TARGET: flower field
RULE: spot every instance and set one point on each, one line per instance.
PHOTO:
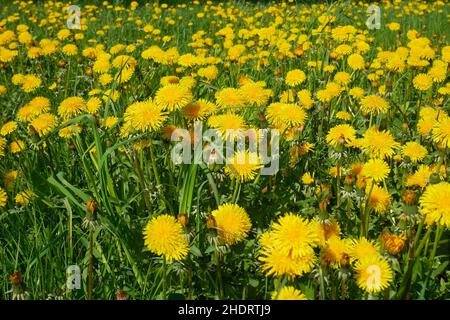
(111, 186)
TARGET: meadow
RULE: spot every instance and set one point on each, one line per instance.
(94, 102)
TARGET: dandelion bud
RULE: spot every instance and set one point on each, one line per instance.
(408, 196)
(183, 219)
(394, 244)
(91, 206)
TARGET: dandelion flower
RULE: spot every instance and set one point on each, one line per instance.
(288, 293)
(230, 98)
(198, 110)
(44, 123)
(374, 104)
(422, 82)
(173, 97)
(144, 116)
(379, 198)
(228, 125)
(394, 244)
(362, 248)
(434, 204)
(8, 128)
(244, 165)
(376, 169)
(373, 274)
(71, 107)
(341, 134)
(163, 235)
(295, 77)
(414, 151)
(286, 115)
(378, 144)
(232, 222)
(336, 253)
(3, 198)
(441, 132)
(24, 198)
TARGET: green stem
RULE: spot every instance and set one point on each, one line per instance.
(235, 192)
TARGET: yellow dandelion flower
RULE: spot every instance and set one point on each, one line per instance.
(336, 252)
(422, 82)
(441, 131)
(342, 134)
(378, 144)
(230, 98)
(44, 123)
(373, 274)
(325, 230)
(286, 115)
(362, 248)
(71, 107)
(376, 169)
(232, 223)
(3, 198)
(144, 116)
(8, 128)
(198, 110)
(244, 165)
(24, 198)
(379, 198)
(228, 125)
(434, 204)
(173, 97)
(163, 235)
(414, 151)
(420, 177)
(288, 293)
(295, 77)
(374, 104)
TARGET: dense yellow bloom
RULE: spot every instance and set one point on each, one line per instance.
(163, 235)
(232, 223)
(43, 124)
(285, 115)
(373, 274)
(441, 131)
(173, 97)
(71, 107)
(379, 198)
(228, 125)
(24, 198)
(414, 151)
(8, 128)
(288, 293)
(144, 116)
(198, 110)
(325, 230)
(362, 248)
(3, 198)
(434, 204)
(379, 144)
(422, 82)
(376, 169)
(230, 98)
(244, 165)
(420, 177)
(342, 134)
(374, 104)
(295, 77)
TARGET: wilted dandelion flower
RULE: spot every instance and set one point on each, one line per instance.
(414, 151)
(434, 204)
(376, 169)
(71, 107)
(342, 134)
(163, 235)
(244, 165)
(394, 244)
(173, 97)
(10, 178)
(232, 222)
(288, 293)
(374, 104)
(144, 116)
(373, 274)
(325, 230)
(3, 198)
